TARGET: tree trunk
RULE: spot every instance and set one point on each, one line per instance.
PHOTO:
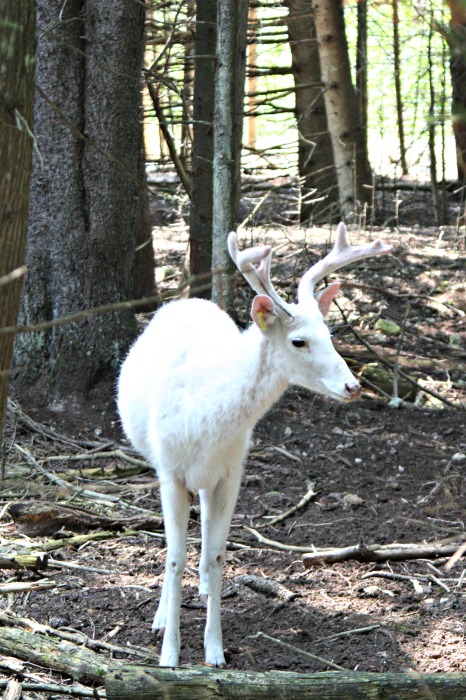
(228, 126)
(361, 68)
(200, 224)
(17, 44)
(85, 199)
(319, 190)
(399, 100)
(457, 43)
(144, 265)
(350, 156)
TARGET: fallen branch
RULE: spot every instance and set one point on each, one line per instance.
(45, 518)
(377, 552)
(278, 545)
(79, 691)
(79, 540)
(308, 496)
(22, 586)
(73, 636)
(268, 587)
(456, 556)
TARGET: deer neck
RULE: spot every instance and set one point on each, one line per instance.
(266, 381)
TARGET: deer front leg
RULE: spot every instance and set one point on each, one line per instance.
(175, 505)
(217, 507)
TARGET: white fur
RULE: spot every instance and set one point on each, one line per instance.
(190, 392)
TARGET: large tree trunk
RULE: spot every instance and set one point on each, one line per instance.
(350, 156)
(85, 196)
(200, 224)
(457, 44)
(17, 44)
(319, 190)
(228, 128)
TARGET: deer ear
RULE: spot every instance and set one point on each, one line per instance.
(326, 296)
(263, 312)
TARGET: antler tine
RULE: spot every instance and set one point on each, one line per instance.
(258, 277)
(342, 254)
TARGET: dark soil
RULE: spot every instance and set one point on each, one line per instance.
(381, 475)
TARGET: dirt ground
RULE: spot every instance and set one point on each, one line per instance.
(381, 474)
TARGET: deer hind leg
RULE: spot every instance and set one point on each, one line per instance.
(175, 505)
(217, 507)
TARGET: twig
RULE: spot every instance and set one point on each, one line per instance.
(55, 563)
(348, 633)
(297, 650)
(308, 496)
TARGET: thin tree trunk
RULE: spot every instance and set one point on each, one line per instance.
(200, 223)
(399, 100)
(252, 78)
(361, 68)
(432, 152)
(17, 60)
(228, 121)
(319, 189)
(350, 156)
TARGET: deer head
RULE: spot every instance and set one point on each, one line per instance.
(297, 333)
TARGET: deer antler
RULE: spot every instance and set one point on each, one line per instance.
(258, 277)
(342, 254)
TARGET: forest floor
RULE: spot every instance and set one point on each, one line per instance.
(380, 474)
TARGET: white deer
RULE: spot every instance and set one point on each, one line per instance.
(191, 391)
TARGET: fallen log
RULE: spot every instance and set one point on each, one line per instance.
(125, 681)
(80, 663)
(198, 683)
(37, 518)
(377, 552)
(37, 561)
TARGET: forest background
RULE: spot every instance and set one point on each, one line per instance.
(153, 129)
(284, 112)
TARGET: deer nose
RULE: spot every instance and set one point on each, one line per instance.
(353, 391)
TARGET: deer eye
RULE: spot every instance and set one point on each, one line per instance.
(298, 342)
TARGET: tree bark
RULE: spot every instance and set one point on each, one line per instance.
(200, 223)
(85, 199)
(17, 45)
(350, 156)
(228, 125)
(319, 190)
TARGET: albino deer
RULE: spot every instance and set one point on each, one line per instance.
(192, 389)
